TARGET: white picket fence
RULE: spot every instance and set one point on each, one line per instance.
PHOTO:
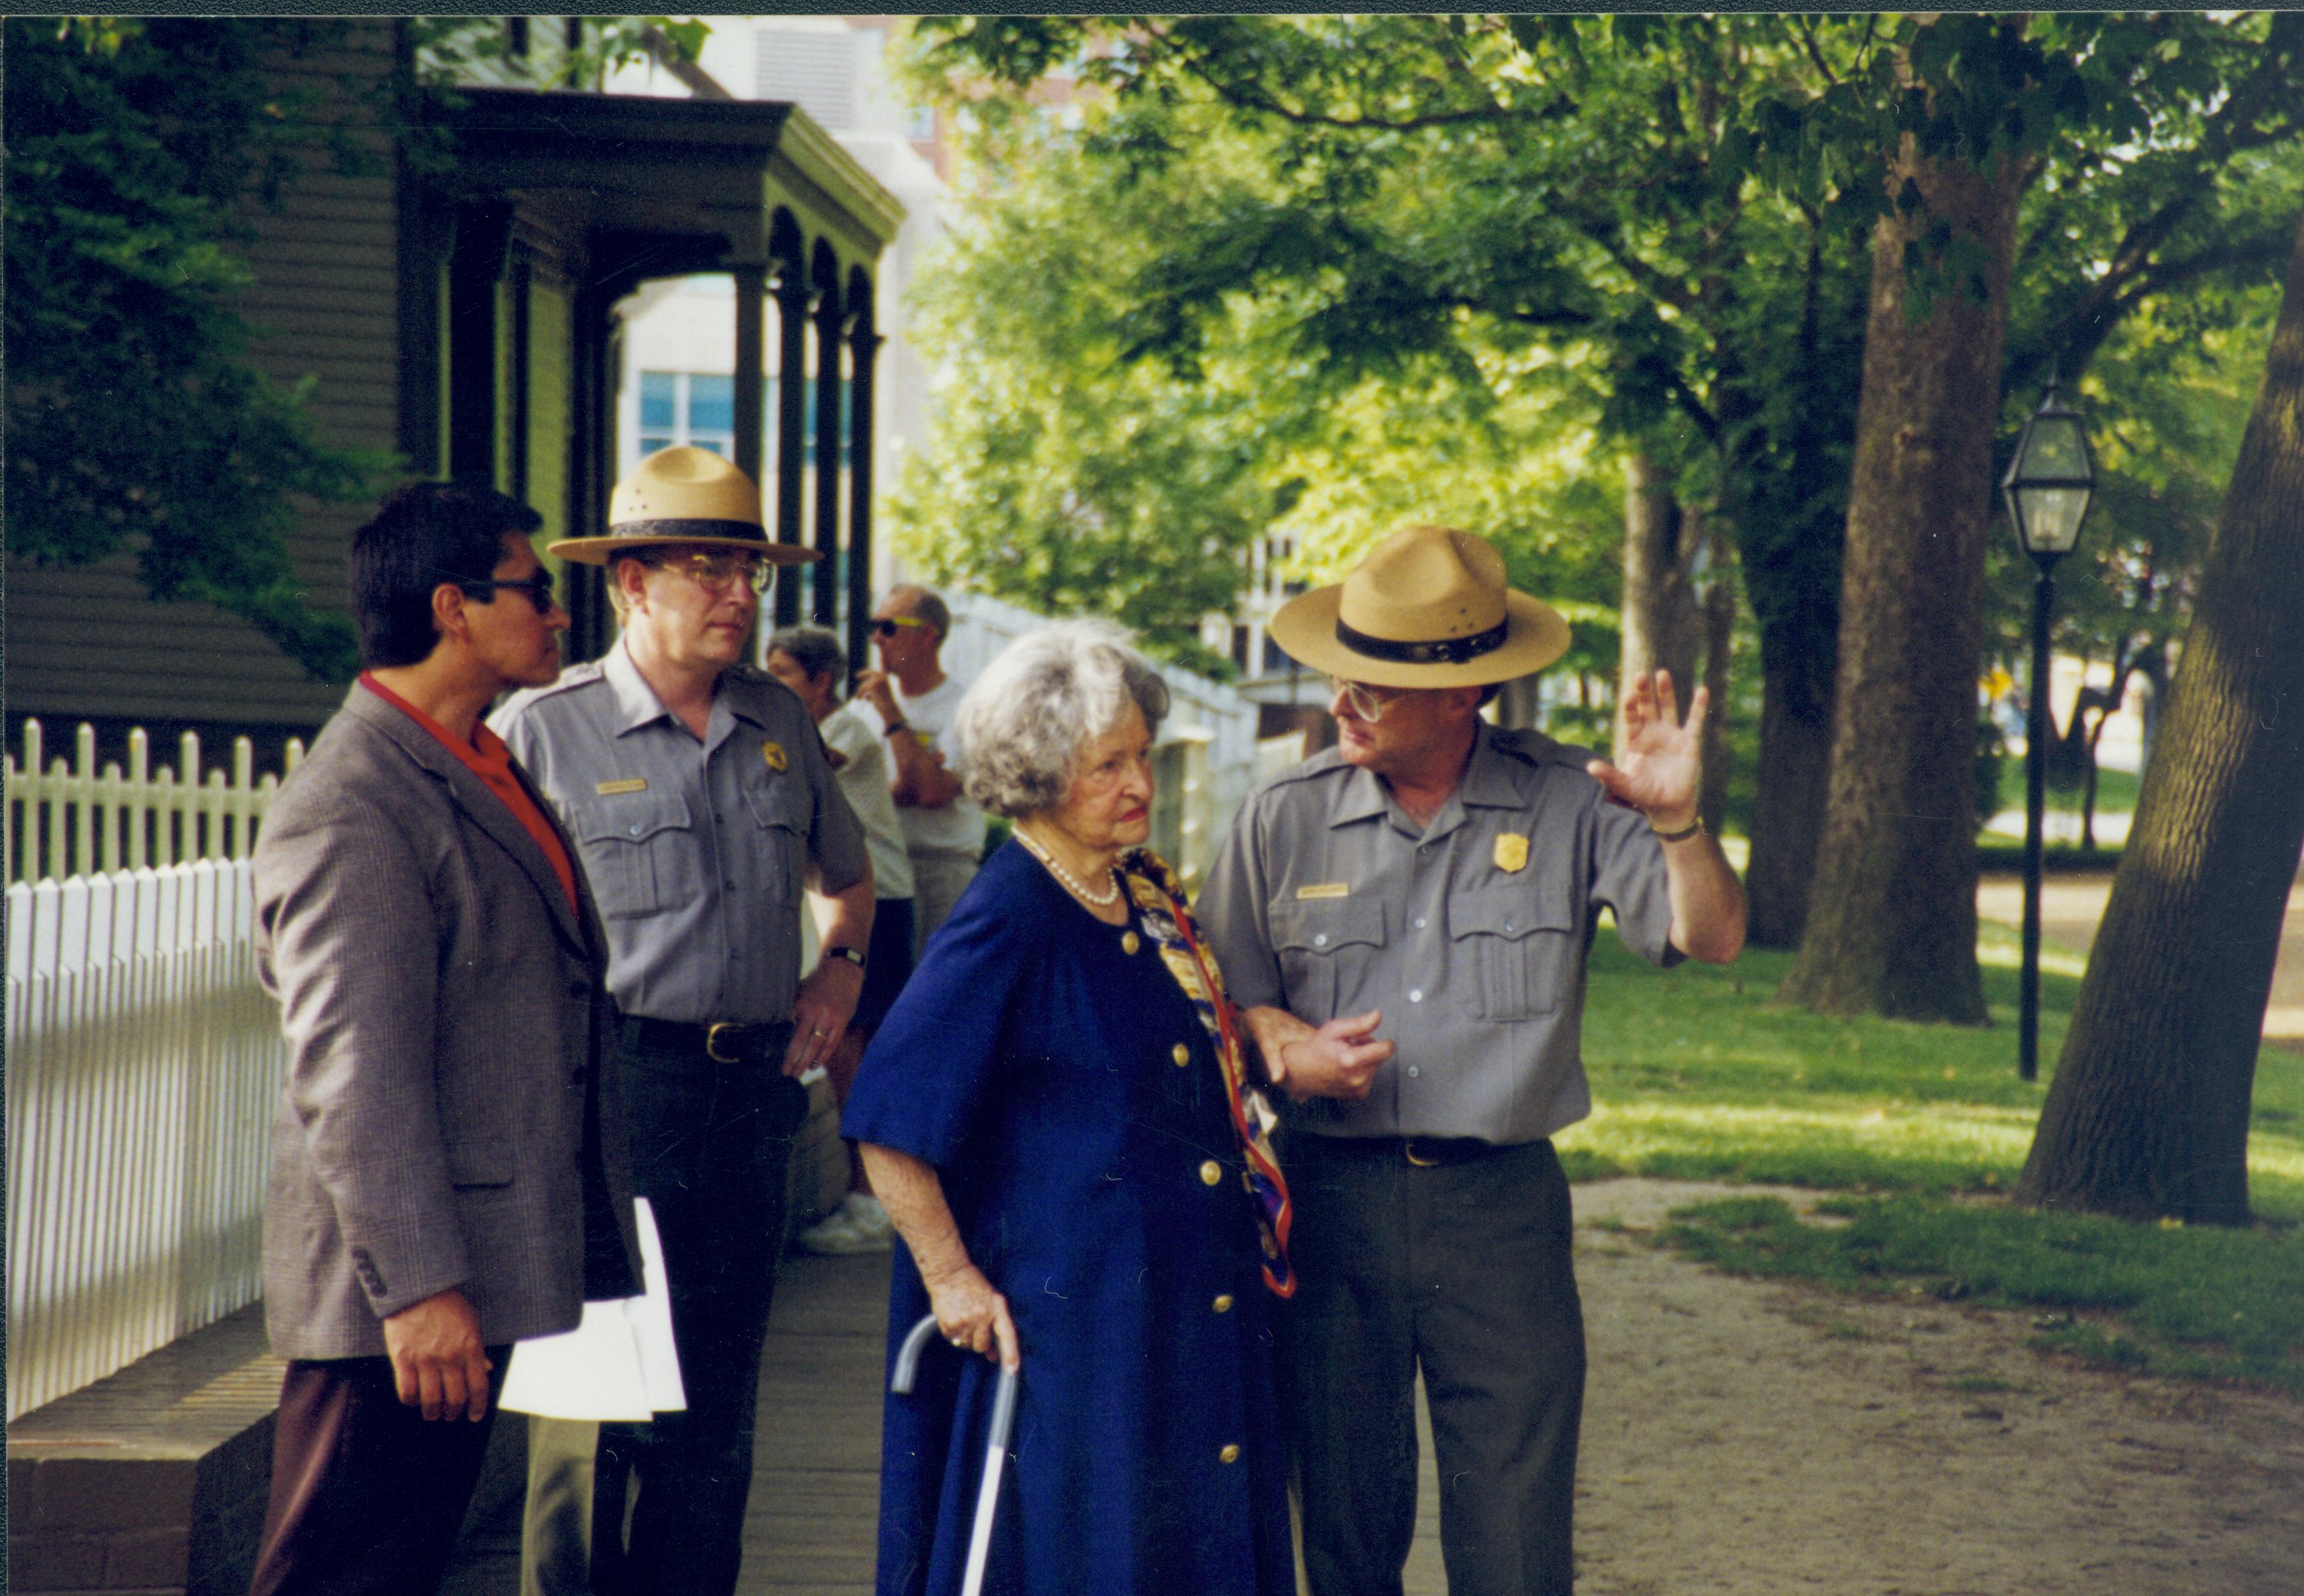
(143, 1062)
(71, 819)
(142, 1056)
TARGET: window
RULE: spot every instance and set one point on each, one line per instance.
(699, 409)
(682, 407)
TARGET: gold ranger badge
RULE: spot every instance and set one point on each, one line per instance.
(774, 753)
(1511, 852)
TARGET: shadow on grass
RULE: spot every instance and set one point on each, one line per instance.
(1697, 1075)
(2159, 1299)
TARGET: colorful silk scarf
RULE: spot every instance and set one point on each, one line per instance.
(1160, 902)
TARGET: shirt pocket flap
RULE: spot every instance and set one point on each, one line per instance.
(1323, 927)
(481, 1161)
(1510, 912)
(782, 800)
(635, 820)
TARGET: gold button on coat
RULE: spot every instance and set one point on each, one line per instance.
(1223, 1304)
(1211, 1172)
(1229, 1454)
(1181, 1054)
(1130, 942)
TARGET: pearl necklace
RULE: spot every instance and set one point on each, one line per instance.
(1040, 853)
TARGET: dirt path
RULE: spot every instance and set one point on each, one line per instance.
(1749, 1437)
(2071, 905)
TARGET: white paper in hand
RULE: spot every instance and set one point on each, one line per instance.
(620, 1363)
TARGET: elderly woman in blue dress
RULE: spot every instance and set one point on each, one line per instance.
(1056, 1114)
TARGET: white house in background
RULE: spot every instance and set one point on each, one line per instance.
(675, 383)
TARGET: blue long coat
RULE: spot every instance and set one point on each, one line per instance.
(1033, 1059)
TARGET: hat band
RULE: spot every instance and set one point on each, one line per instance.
(672, 530)
(1447, 651)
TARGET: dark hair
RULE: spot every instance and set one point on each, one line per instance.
(817, 651)
(422, 535)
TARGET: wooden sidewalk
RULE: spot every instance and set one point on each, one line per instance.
(815, 1488)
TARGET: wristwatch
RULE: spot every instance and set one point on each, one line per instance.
(892, 727)
(850, 954)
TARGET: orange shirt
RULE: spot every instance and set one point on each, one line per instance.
(487, 758)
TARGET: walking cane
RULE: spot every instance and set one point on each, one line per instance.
(996, 1448)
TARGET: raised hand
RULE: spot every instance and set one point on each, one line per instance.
(1663, 769)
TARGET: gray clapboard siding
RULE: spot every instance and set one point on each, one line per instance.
(324, 304)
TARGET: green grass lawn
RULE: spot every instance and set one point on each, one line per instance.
(2115, 790)
(1697, 1074)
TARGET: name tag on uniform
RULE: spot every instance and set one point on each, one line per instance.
(1511, 852)
(774, 753)
(630, 784)
(1326, 889)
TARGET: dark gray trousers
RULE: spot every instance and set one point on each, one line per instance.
(710, 1146)
(1460, 1269)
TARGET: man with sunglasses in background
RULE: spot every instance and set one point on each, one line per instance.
(915, 701)
(1438, 880)
(698, 793)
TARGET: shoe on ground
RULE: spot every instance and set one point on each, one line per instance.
(837, 1235)
(869, 1219)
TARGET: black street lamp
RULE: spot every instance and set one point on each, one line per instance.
(2047, 486)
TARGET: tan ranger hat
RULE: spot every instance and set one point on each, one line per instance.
(683, 495)
(1427, 607)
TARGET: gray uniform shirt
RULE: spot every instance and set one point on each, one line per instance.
(695, 851)
(1471, 934)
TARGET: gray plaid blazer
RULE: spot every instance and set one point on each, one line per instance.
(447, 1015)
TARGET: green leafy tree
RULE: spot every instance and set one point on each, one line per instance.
(2149, 1111)
(2140, 111)
(1066, 475)
(136, 420)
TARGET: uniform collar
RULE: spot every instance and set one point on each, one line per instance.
(637, 704)
(1490, 782)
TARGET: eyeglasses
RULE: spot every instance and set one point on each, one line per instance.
(1369, 703)
(537, 586)
(885, 625)
(718, 572)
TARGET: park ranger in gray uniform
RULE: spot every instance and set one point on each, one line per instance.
(698, 796)
(1406, 918)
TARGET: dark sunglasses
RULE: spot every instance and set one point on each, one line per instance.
(885, 626)
(537, 588)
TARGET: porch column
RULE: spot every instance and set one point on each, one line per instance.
(792, 418)
(824, 576)
(863, 353)
(751, 368)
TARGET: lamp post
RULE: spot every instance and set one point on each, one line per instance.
(2048, 486)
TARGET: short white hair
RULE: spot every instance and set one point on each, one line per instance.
(1021, 725)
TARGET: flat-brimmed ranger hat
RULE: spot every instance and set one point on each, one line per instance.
(1427, 607)
(683, 495)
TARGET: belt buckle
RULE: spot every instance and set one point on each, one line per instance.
(1407, 1150)
(712, 1041)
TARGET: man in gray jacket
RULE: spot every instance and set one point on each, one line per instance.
(448, 1158)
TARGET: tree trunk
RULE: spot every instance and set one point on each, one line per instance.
(1788, 797)
(1662, 628)
(1892, 925)
(1719, 638)
(2149, 1111)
